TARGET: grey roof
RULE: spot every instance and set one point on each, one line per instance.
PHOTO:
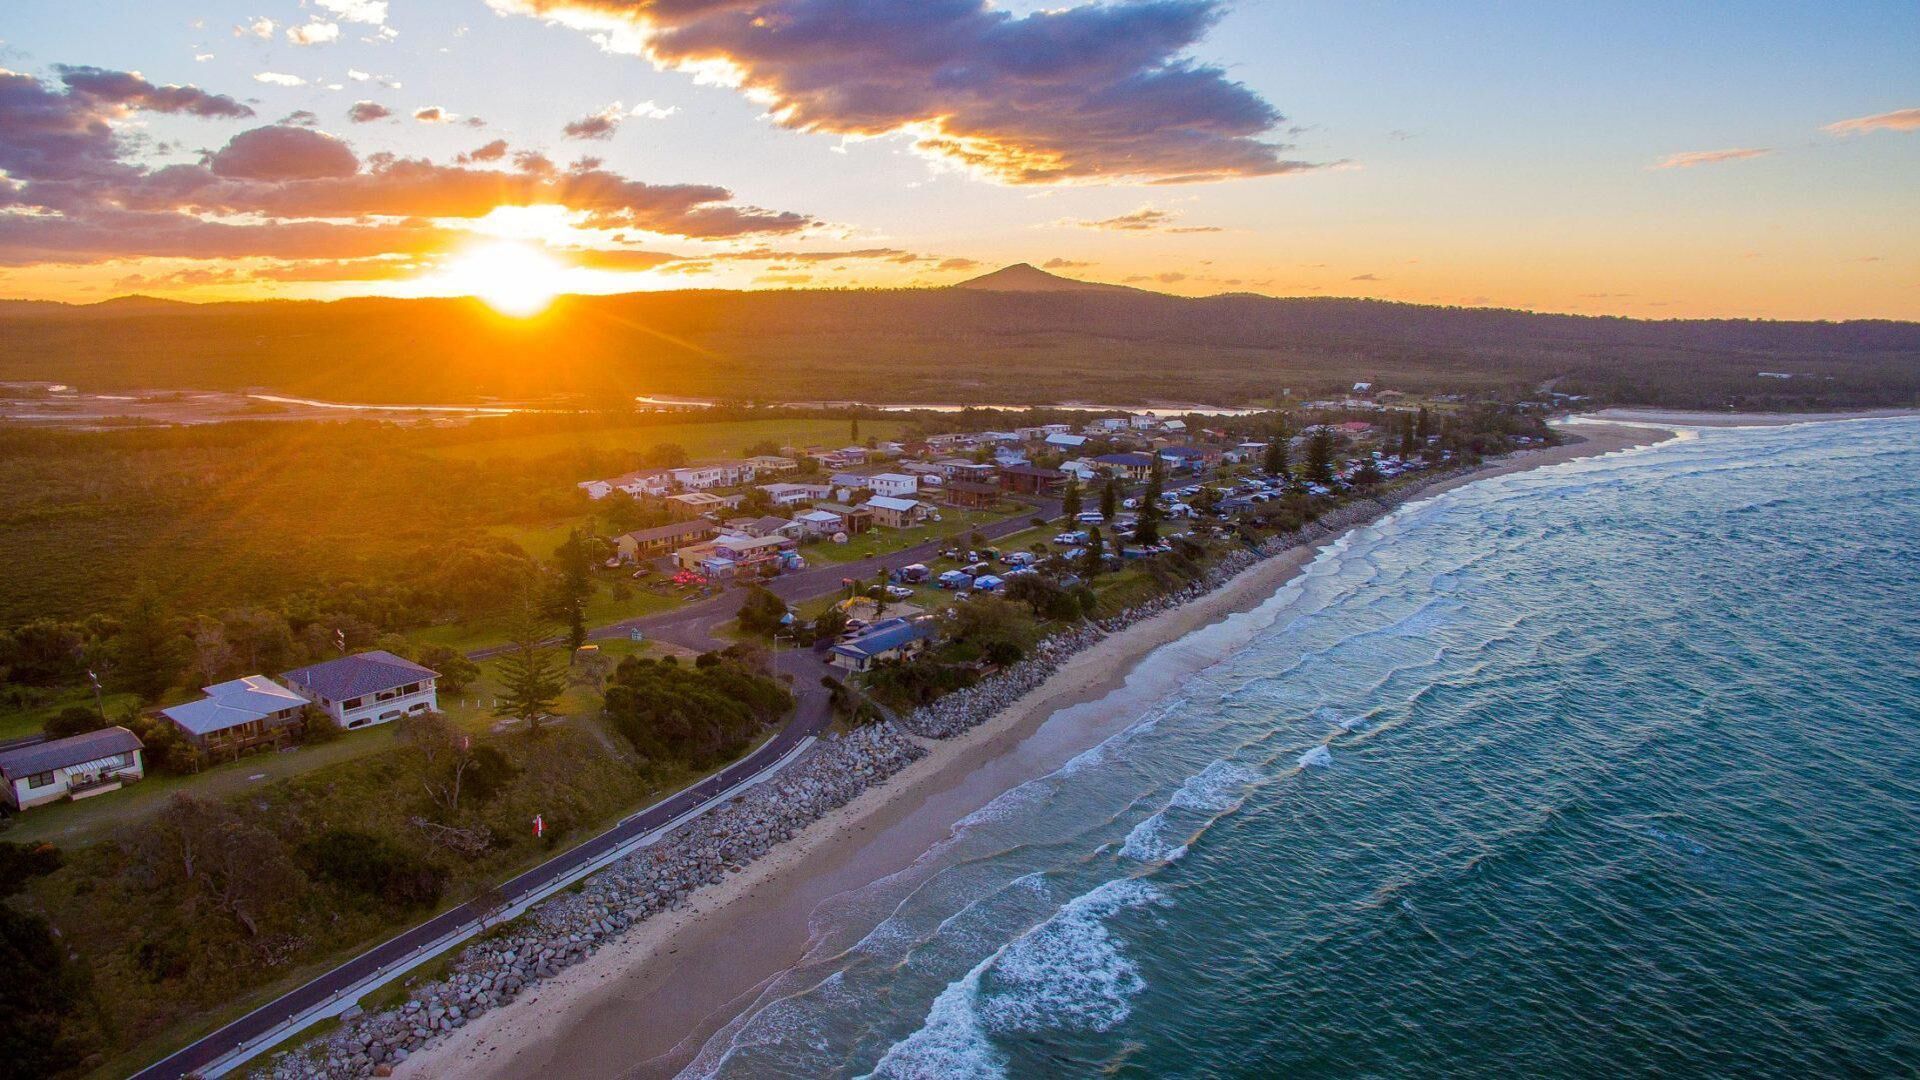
(1136, 460)
(230, 704)
(358, 675)
(60, 753)
(886, 635)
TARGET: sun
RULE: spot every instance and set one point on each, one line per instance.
(512, 278)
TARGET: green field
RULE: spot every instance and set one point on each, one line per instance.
(703, 442)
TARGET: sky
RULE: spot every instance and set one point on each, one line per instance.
(1653, 160)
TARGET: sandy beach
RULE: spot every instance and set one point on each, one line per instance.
(1732, 419)
(645, 1006)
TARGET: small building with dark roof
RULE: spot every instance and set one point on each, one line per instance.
(367, 688)
(1031, 479)
(71, 768)
(970, 494)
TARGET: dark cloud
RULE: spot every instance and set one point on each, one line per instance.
(366, 112)
(493, 151)
(1094, 92)
(1363, 277)
(302, 118)
(128, 89)
(1063, 264)
(600, 125)
(283, 153)
(958, 264)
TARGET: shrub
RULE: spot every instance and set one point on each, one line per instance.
(74, 720)
(317, 726)
(374, 866)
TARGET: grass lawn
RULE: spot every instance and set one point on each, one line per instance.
(22, 722)
(703, 442)
(602, 609)
(954, 525)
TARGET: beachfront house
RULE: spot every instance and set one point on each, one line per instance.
(238, 715)
(72, 768)
(703, 477)
(645, 545)
(367, 688)
(897, 513)
(888, 639)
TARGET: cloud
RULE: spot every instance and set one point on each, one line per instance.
(1694, 158)
(130, 90)
(314, 33)
(1063, 264)
(1096, 92)
(261, 28)
(433, 114)
(302, 118)
(357, 75)
(1145, 219)
(1170, 277)
(600, 125)
(958, 264)
(366, 112)
(373, 12)
(647, 110)
(75, 191)
(1897, 120)
(1363, 277)
(283, 153)
(277, 78)
(493, 151)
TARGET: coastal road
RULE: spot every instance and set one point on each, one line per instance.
(690, 626)
(285, 1015)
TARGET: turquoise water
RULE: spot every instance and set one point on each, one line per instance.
(1608, 768)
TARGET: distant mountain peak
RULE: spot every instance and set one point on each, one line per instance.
(1026, 277)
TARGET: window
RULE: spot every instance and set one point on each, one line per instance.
(44, 779)
(351, 703)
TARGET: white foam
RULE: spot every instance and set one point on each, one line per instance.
(1214, 787)
(1066, 973)
(1319, 757)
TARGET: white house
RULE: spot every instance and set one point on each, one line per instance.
(596, 489)
(1066, 441)
(896, 513)
(367, 688)
(790, 494)
(702, 477)
(239, 714)
(1080, 469)
(77, 767)
(817, 523)
(894, 485)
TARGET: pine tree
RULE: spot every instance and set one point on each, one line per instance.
(1110, 499)
(1096, 552)
(1320, 455)
(1424, 426)
(1147, 532)
(572, 588)
(1276, 462)
(1070, 498)
(854, 431)
(531, 677)
(1406, 436)
(146, 652)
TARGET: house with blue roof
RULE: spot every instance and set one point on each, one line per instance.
(367, 688)
(238, 715)
(888, 639)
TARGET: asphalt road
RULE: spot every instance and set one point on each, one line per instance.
(691, 626)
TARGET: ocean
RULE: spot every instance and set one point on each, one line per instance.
(1608, 768)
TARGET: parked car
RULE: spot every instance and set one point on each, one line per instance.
(1070, 539)
(899, 592)
(1090, 517)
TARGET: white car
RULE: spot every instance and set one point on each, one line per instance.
(898, 592)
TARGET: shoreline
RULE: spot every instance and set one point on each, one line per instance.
(691, 971)
(1699, 418)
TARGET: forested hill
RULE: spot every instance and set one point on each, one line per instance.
(953, 344)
